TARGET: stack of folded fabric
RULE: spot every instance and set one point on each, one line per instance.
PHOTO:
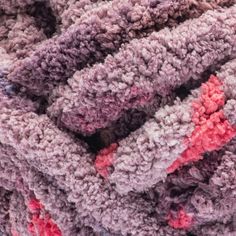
(117, 117)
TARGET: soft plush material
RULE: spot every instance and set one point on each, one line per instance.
(117, 117)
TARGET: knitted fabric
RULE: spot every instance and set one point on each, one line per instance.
(117, 117)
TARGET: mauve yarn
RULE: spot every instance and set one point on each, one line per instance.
(117, 117)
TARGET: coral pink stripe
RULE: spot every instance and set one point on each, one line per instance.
(181, 221)
(212, 129)
(105, 159)
(41, 224)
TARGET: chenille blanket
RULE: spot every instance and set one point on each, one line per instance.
(117, 117)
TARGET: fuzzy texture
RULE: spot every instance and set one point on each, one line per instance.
(177, 135)
(14, 6)
(228, 75)
(161, 160)
(4, 208)
(141, 159)
(157, 64)
(98, 33)
(212, 129)
(229, 109)
(205, 191)
(19, 34)
(41, 222)
(25, 178)
(223, 185)
(129, 122)
(75, 9)
(44, 187)
(18, 214)
(5, 62)
(34, 137)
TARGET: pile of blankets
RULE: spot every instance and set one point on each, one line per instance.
(117, 117)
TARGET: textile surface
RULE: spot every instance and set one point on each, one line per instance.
(117, 117)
